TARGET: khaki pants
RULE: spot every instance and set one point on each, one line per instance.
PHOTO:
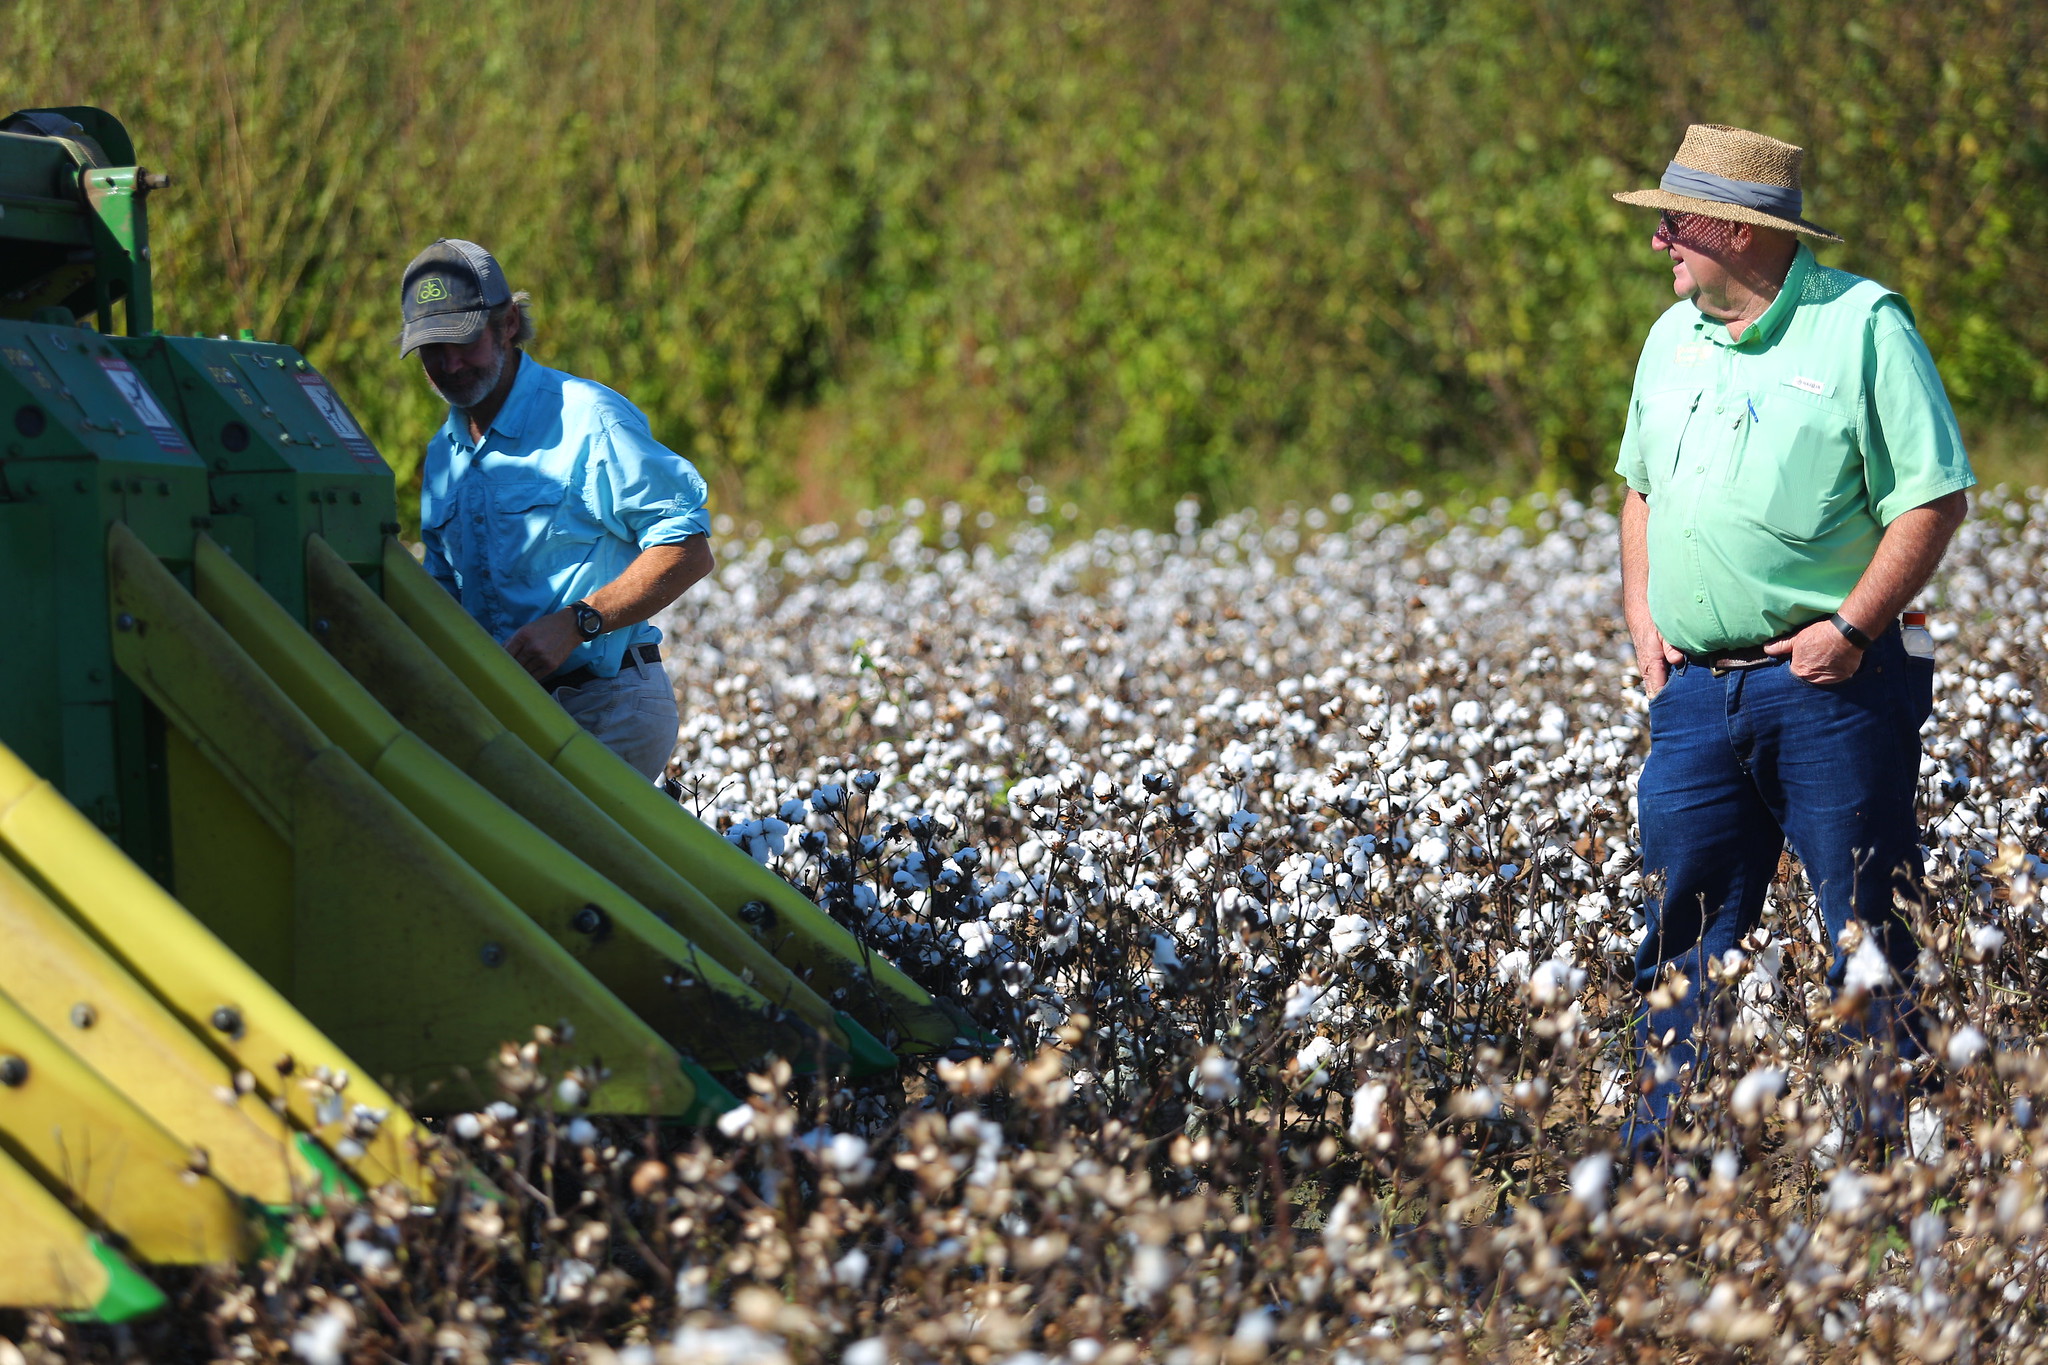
(634, 715)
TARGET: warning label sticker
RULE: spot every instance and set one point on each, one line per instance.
(150, 412)
(337, 417)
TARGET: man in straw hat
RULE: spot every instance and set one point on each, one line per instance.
(1794, 475)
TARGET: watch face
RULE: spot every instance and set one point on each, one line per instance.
(589, 623)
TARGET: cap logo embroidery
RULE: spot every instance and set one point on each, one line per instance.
(432, 289)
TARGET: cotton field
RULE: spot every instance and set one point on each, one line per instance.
(1289, 859)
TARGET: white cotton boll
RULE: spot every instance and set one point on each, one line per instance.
(976, 937)
(1349, 933)
(1848, 1194)
(1467, 714)
(867, 1351)
(1754, 1091)
(582, 1132)
(1965, 1046)
(1031, 854)
(736, 1121)
(501, 1110)
(1591, 1177)
(1368, 1104)
(571, 1093)
(1727, 1166)
(1151, 1271)
(1554, 981)
(1302, 999)
(468, 1127)
(1512, 967)
(319, 1340)
(1104, 787)
(1308, 1063)
(1254, 1329)
(1215, 1079)
(1867, 969)
(851, 1269)
(1985, 939)
(1432, 851)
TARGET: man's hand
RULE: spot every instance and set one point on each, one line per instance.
(541, 646)
(1820, 654)
(1653, 660)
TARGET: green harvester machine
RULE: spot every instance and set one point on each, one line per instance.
(290, 849)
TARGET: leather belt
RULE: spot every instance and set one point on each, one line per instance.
(1731, 660)
(576, 677)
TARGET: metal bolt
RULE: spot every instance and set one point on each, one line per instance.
(758, 914)
(588, 920)
(492, 955)
(13, 1071)
(321, 625)
(124, 622)
(84, 1015)
(228, 1020)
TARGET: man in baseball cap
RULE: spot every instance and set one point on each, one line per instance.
(450, 290)
(547, 508)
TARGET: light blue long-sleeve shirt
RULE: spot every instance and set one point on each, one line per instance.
(566, 488)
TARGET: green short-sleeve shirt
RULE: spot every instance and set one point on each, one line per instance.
(1773, 464)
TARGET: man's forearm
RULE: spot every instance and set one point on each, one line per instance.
(658, 576)
(1906, 558)
(1635, 565)
(1653, 657)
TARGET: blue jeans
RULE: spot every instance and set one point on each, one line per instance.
(1740, 763)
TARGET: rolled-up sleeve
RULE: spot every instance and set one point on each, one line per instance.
(641, 490)
(1912, 449)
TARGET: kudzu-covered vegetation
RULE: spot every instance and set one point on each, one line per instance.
(847, 253)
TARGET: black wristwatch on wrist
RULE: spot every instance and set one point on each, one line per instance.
(1850, 632)
(589, 620)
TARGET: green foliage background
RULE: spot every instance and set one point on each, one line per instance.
(845, 252)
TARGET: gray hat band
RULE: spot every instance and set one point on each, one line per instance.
(1783, 200)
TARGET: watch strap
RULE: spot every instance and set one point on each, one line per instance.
(1850, 633)
(587, 617)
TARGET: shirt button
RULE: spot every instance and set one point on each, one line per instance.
(1688, 535)
(1699, 469)
(1699, 597)
(1722, 408)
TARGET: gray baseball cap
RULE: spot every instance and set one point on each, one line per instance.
(448, 292)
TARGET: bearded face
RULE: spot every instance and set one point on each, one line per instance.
(465, 375)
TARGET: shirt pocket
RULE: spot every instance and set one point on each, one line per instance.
(1811, 468)
(441, 530)
(1666, 418)
(525, 514)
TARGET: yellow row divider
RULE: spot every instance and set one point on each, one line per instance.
(82, 1136)
(403, 952)
(55, 1261)
(856, 979)
(368, 639)
(688, 995)
(198, 977)
(77, 990)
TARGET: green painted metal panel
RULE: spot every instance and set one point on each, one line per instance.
(283, 453)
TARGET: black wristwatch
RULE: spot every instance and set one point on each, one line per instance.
(1851, 633)
(589, 620)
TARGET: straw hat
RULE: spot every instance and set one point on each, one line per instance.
(1737, 175)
